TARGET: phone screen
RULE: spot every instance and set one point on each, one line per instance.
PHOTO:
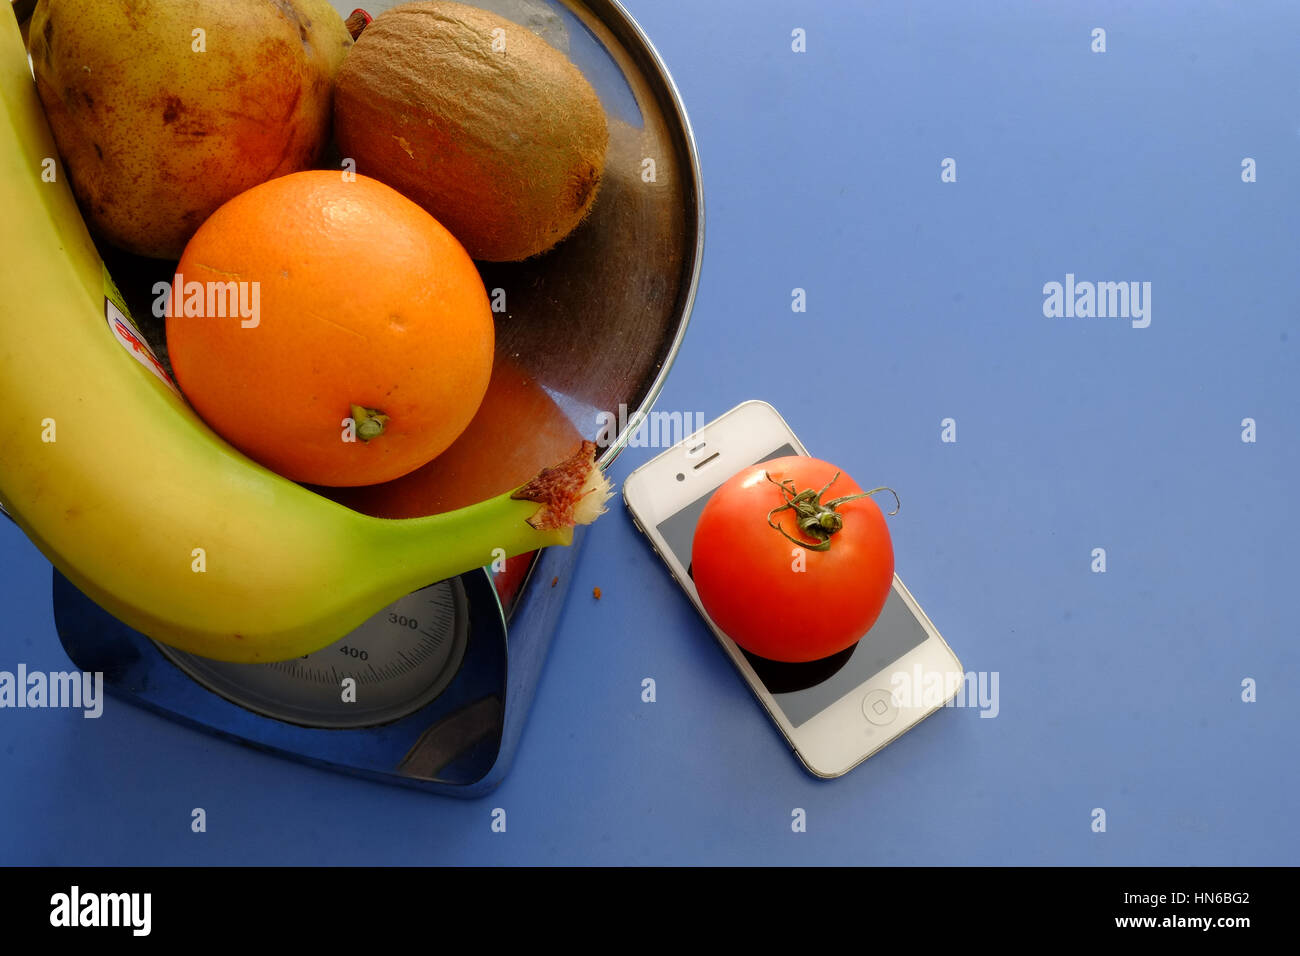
(804, 690)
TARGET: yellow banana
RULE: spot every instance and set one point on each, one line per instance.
(149, 512)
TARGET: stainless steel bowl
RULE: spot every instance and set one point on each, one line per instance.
(598, 320)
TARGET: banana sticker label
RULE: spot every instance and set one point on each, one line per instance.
(129, 337)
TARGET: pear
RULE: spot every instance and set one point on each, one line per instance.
(164, 109)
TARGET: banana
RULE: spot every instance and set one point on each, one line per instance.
(151, 514)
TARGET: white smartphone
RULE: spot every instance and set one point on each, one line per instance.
(836, 712)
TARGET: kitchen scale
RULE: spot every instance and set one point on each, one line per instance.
(445, 676)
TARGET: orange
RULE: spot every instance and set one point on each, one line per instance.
(517, 431)
(331, 330)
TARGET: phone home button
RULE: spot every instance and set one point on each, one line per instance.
(879, 707)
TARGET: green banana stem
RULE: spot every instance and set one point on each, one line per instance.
(538, 514)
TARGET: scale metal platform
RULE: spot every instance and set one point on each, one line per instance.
(445, 676)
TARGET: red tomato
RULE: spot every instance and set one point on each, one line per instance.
(792, 600)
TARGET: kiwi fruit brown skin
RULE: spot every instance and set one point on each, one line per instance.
(505, 148)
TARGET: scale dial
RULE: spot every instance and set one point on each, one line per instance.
(401, 659)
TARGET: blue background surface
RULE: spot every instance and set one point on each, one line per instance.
(1119, 690)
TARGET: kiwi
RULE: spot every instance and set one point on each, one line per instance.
(477, 119)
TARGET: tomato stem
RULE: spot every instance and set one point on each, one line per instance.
(816, 518)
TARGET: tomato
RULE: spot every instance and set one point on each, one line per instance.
(782, 591)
